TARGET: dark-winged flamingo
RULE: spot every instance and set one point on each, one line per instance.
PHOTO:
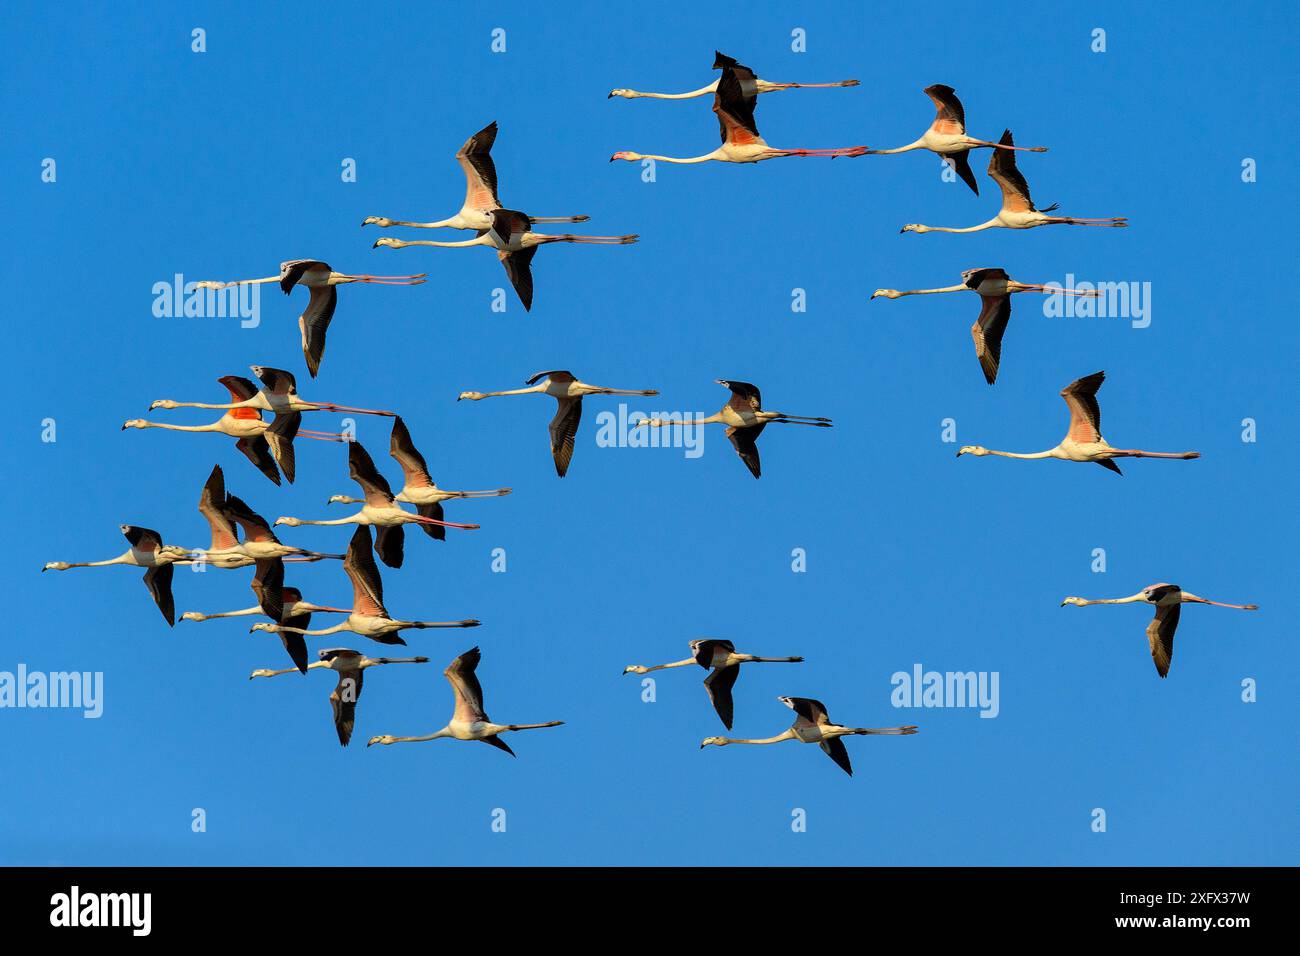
(1083, 441)
(262, 443)
(469, 721)
(322, 282)
(721, 61)
(147, 551)
(380, 509)
(515, 243)
(295, 613)
(1168, 600)
(418, 488)
(350, 665)
(279, 394)
(947, 137)
(565, 388)
(368, 617)
(720, 658)
(812, 725)
(745, 420)
(1018, 210)
(995, 289)
(734, 103)
(475, 159)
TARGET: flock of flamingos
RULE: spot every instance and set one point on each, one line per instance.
(268, 445)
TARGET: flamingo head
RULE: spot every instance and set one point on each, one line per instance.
(388, 242)
(977, 450)
(715, 741)
(291, 522)
(887, 293)
(914, 227)
(385, 739)
(56, 566)
(377, 221)
(134, 423)
(470, 396)
(623, 154)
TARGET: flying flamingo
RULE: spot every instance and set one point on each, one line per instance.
(995, 289)
(1168, 600)
(147, 551)
(380, 509)
(722, 61)
(350, 665)
(568, 392)
(262, 443)
(419, 489)
(813, 726)
(1018, 210)
(260, 542)
(721, 659)
(368, 617)
(745, 420)
(1083, 441)
(512, 236)
(322, 282)
(279, 394)
(475, 158)
(734, 103)
(947, 137)
(469, 721)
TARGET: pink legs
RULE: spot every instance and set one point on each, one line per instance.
(1138, 453)
(388, 280)
(832, 153)
(1116, 222)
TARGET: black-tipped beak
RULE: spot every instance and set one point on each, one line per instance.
(610, 96)
(958, 454)
(611, 159)
(376, 245)
(901, 231)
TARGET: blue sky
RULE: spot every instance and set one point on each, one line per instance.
(224, 163)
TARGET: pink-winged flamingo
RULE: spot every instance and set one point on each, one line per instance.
(812, 725)
(418, 488)
(995, 289)
(147, 551)
(380, 509)
(279, 394)
(734, 103)
(350, 665)
(1018, 210)
(722, 61)
(368, 617)
(1168, 600)
(1083, 441)
(745, 419)
(475, 159)
(264, 444)
(562, 386)
(469, 721)
(515, 243)
(720, 658)
(322, 283)
(947, 137)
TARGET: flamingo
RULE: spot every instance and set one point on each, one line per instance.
(380, 509)
(1018, 210)
(225, 550)
(469, 721)
(722, 61)
(262, 443)
(511, 235)
(260, 542)
(419, 489)
(147, 551)
(475, 158)
(295, 613)
(368, 616)
(734, 103)
(947, 137)
(279, 394)
(322, 283)
(568, 392)
(350, 665)
(812, 725)
(995, 289)
(1168, 600)
(721, 659)
(1083, 441)
(745, 420)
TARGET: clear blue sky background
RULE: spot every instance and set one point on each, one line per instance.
(221, 164)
